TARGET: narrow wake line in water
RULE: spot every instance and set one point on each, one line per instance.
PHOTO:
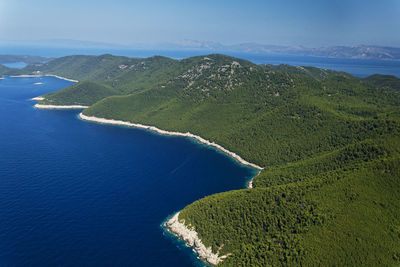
(173, 225)
(70, 186)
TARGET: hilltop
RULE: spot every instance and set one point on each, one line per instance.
(329, 144)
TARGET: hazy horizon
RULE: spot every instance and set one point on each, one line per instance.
(307, 23)
(74, 43)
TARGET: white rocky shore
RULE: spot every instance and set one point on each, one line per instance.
(192, 240)
(250, 183)
(46, 75)
(163, 132)
(26, 76)
(62, 78)
(40, 106)
(38, 98)
(173, 225)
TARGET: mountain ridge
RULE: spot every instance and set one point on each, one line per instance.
(340, 51)
(362, 51)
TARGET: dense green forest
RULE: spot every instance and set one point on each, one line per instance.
(22, 58)
(3, 69)
(85, 93)
(9, 71)
(329, 143)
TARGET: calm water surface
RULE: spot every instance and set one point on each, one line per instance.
(357, 67)
(74, 193)
(17, 65)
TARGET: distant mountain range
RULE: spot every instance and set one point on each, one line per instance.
(359, 52)
(356, 52)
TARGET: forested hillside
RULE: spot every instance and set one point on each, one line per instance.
(329, 194)
(329, 142)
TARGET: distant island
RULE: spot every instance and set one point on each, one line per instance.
(328, 144)
(355, 52)
(22, 58)
(371, 52)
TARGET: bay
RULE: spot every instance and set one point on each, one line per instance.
(16, 65)
(74, 193)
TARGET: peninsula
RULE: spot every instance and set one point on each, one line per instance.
(327, 145)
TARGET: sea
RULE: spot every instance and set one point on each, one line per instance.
(356, 67)
(75, 193)
(16, 65)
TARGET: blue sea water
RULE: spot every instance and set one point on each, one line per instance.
(356, 67)
(74, 193)
(16, 65)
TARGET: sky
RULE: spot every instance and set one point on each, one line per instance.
(311, 23)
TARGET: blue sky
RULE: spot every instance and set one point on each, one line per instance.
(281, 22)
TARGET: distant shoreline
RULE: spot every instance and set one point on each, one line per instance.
(40, 98)
(44, 75)
(147, 127)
